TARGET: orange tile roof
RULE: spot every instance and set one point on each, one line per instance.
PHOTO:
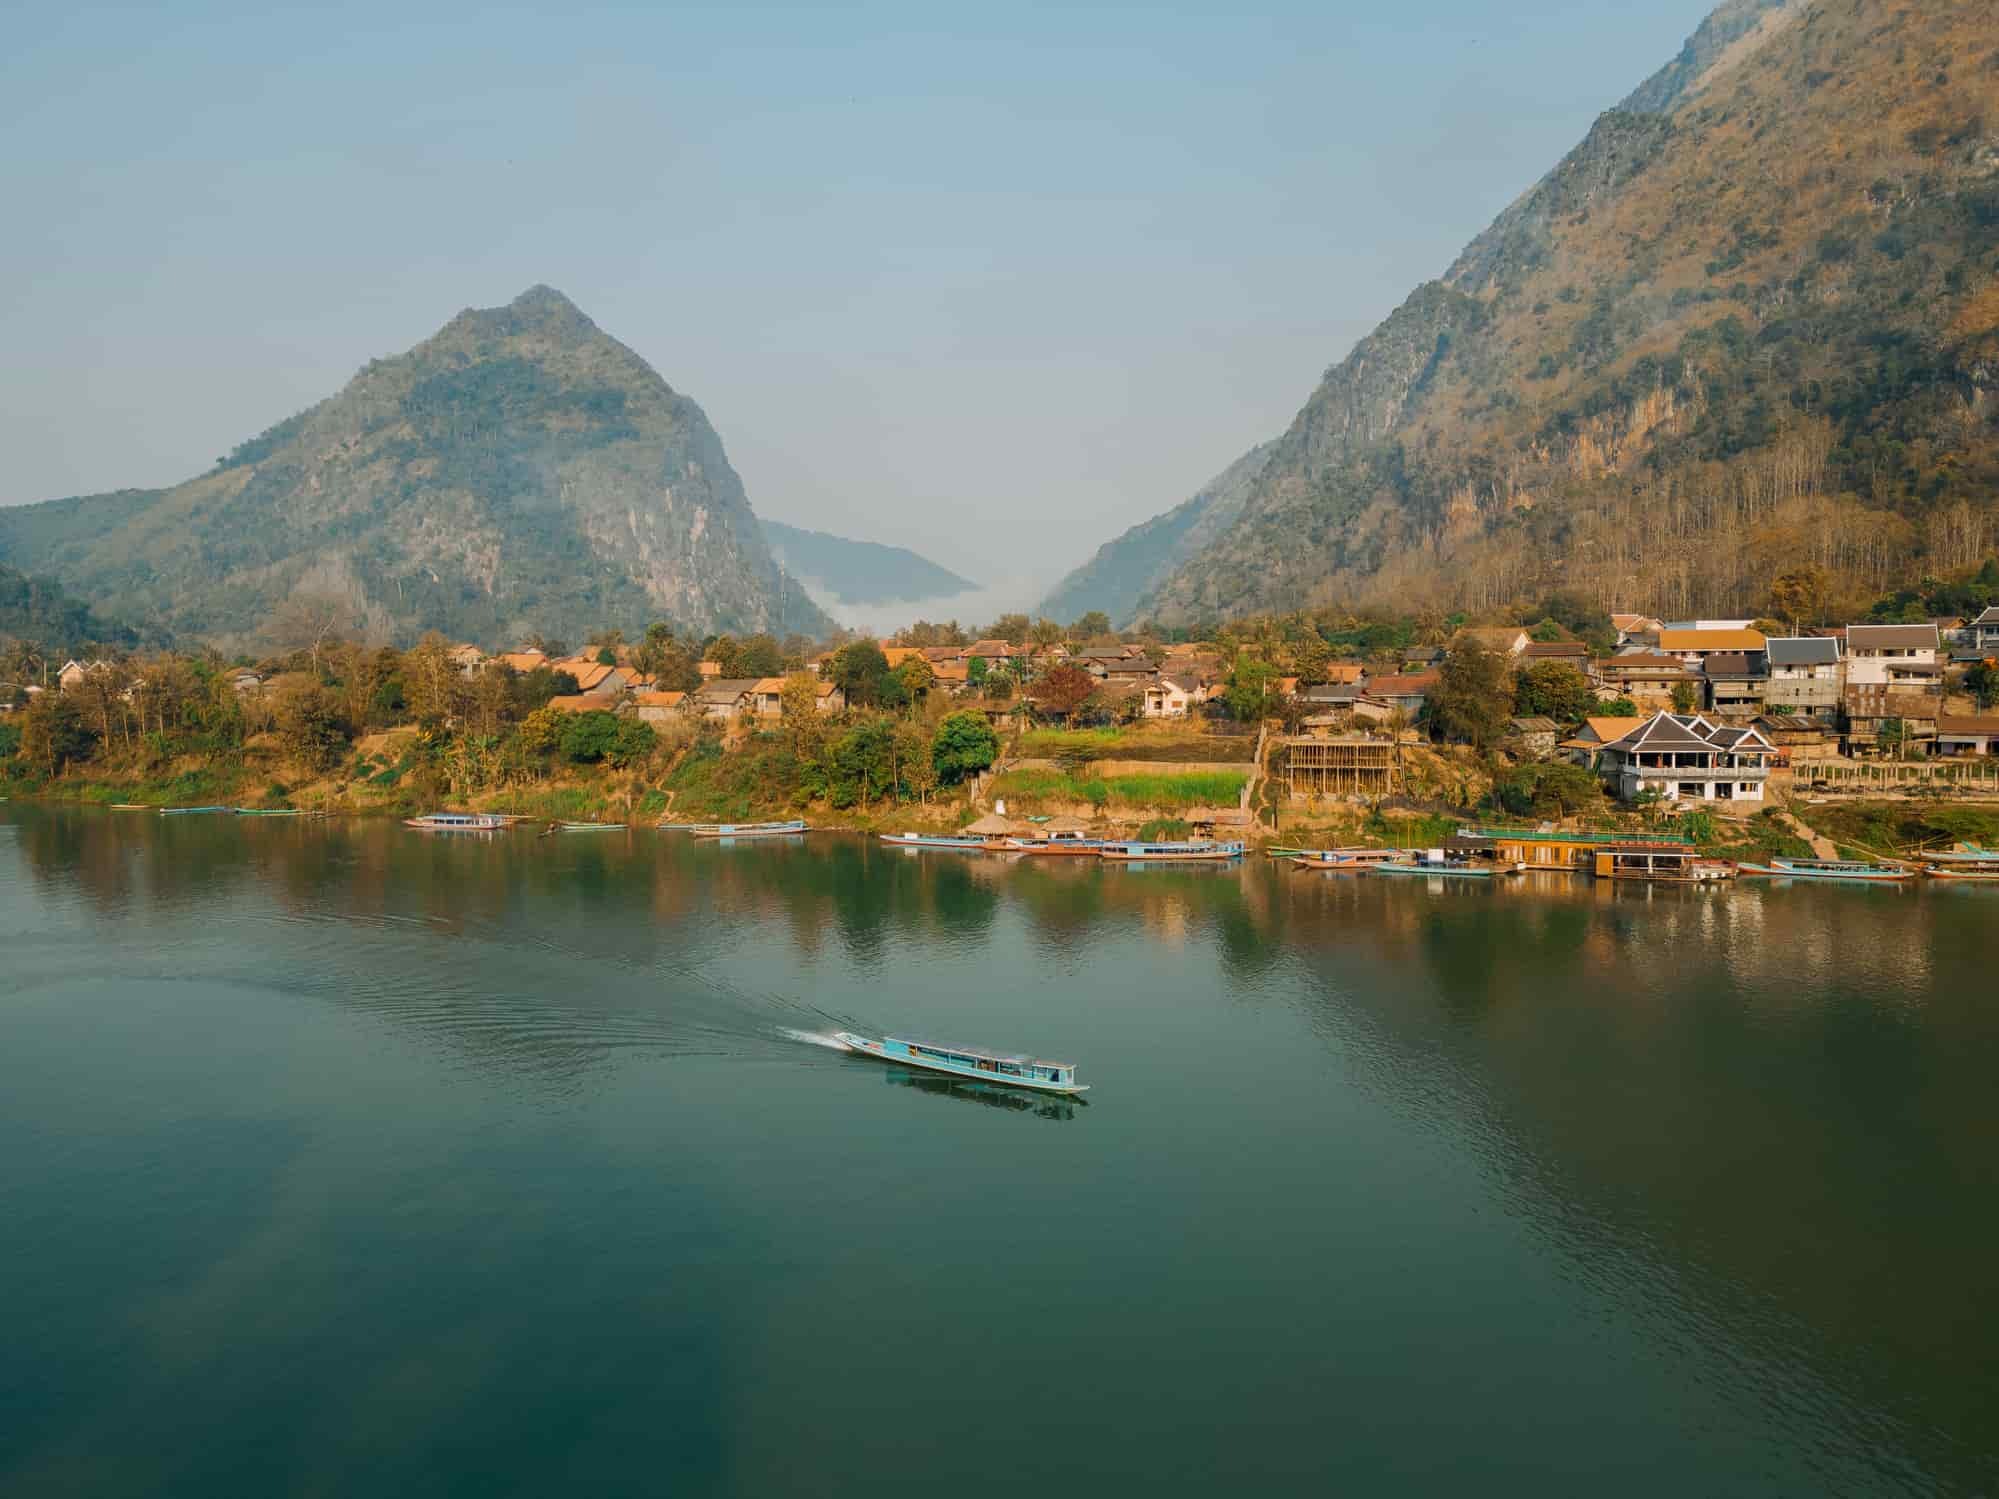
(1711, 640)
(1609, 729)
(523, 661)
(768, 684)
(576, 704)
(897, 654)
(659, 699)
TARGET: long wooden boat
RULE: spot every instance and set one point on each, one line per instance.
(1055, 845)
(191, 811)
(970, 1061)
(1170, 853)
(1830, 869)
(1964, 853)
(268, 812)
(1347, 860)
(592, 827)
(968, 843)
(130, 807)
(1462, 869)
(1966, 873)
(455, 822)
(752, 829)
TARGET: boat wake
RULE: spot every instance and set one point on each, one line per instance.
(812, 1038)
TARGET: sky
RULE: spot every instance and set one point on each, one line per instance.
(994, 282)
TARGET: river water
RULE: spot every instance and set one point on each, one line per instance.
(340, 1159)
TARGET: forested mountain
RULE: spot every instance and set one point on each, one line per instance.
(519, 471)
(860, 572)
(39, 612)
(1749, 326)
(1128, 568)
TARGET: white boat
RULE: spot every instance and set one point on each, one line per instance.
(751, 829)
(969, 1061)
(455, 822)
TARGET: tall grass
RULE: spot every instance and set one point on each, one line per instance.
(1175, 793)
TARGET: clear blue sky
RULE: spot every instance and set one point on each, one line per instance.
(994, 280)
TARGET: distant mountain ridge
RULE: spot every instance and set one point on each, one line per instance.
(1749, 324)
(861, 572)
(519, 471)
(1127, 568)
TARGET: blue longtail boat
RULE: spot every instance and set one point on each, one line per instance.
(969, 1061)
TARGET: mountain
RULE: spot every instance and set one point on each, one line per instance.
(519, 471)
(860, 572)
(1749, 325)
(40, 611)
(1127, 569)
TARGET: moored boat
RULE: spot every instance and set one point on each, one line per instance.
(969, 844)
(267, 811)
(1169, 853)
(751, 829)
(1436, 861)
(1054, 845)
(592, 827)
(455, 822)
(1967, 873)
(1345, 860)
(969, 1061)
(1668, 863)
(190, 811)
(1964, 853)
(130, 807)
(1830, 869)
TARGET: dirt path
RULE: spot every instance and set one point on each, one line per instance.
(1822, 848)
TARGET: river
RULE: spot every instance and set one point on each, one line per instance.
(342, 1159)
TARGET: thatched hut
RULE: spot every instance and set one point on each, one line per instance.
(992, 825)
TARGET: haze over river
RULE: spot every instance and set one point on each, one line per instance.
(341, 1159)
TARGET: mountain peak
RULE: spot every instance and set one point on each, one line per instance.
(539, 309)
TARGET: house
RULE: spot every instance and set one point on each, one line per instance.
(1331, 697)
(1508, 640)
(1736, 681)
(1635, 629)
(991, 650)
(1695, 643)
(1968, 736)
(710, 670)
(897, 654)
(1646, 677)
(950, 676)
(1806, 675)
(73, 673)
(723, 698)
(243, 679)
(577, 702)
(1899, 656)
(1982, 634)
(659, 707)
(1172, 696)
(1349, 673)
(767, 698)
(829, 697)
(467, 658)
(1872, 706)
(1422, 657)
(1684, 757)
(1800, 741)
(1405, 693)
(1589, 740)
(523, 661)
(1571, 652)
(1537, 735)
(1545, 848)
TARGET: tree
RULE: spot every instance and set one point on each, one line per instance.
(308, 622)
(606, 656)
(1470, 701)
(1012, 628)
(307, 720)
(54, 733)
(759, 656)
(975, 671)
(1615, 707)
(1982, 682)
(1556, 689)
(1090, 625)
(1686, 697)
(1797, 594)
(916, 759)
(964, 745)
(663, 658)
(1045, 632)
(634, 741)
(541, 731)
(1548, 789)
(10, 739)
(1062, 690)
(917, 678)
(1893, 735)
(857, 669)
(431, 683)
(863, 761)
(589, 737)
(1251, 689)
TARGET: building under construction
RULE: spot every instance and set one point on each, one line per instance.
(1350, 765)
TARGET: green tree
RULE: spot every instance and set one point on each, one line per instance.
(863, 762)
(1548, 789)
(54, 733)
(1982, 682)
(308, 724)
(589, 737)
(964, 745)
(916, 759)
(1614, 707)
(975, 671)
(1251, 691)
(634, 742)
(857, 669)
(1090, 626)
(1012, 628)
(10, 739)
(1470, 701)
(1556, 689)
(1686, 697)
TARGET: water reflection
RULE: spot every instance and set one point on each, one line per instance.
(965, 1090)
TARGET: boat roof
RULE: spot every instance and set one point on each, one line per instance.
(983, 1053)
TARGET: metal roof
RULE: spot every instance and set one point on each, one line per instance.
(1802, 650)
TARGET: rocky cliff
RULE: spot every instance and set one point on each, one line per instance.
(519, 471)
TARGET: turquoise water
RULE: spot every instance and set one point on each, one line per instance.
(340, 1159)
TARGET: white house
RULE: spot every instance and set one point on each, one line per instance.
(1806, 675)
(1900, 656)
(1683, 757)
(1983, 632)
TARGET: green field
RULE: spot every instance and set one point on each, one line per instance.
(1174, 793)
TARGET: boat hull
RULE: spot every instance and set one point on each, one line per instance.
(920, 840)
(1965, 876)
(866, 1046)
(1124, 853)
(1450, 871)
(1849, 877)
(753, 830)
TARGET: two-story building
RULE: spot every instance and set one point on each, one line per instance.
(1982, 633)
(1643, 676)
(1806, 676)
(1736, 683)
(1704, 638)
(1893, 678)
(1684, 757)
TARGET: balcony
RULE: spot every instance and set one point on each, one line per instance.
(1694, 772)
